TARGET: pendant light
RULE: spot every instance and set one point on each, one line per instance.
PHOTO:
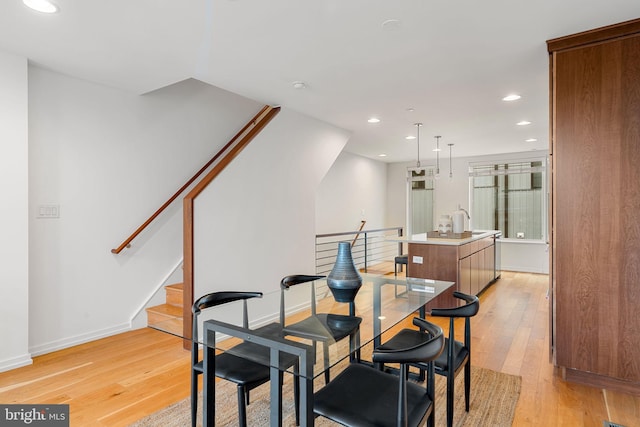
(418, 143)
(44, 6)
(450, 168)
(437, 150)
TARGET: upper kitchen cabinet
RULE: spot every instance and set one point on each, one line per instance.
(595, 206)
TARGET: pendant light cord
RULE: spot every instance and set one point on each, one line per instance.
(418, 139)
(437, 154)
(450, 163)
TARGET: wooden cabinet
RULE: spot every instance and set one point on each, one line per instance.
(595, 206)
(475, 272)
(439, 262)
(465, 275)
(490, 263)
(470, 265)
(476, 265)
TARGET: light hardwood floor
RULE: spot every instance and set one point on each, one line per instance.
(117, 380)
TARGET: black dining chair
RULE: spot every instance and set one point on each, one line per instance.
(457, 355)
(325, 328)
(364, 396)
(400, 260)
(234, 365)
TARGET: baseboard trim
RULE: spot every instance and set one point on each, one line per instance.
(600, 381)
(523, 269)
(78, 339)
(16, 362)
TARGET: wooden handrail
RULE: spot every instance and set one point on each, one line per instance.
(242, 131)
(355, 239)
(259, 122)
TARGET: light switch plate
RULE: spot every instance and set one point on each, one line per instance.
(48, 211)
(417, 259)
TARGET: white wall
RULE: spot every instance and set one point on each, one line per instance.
(515, 256)
(14, 250)
(532, 257)
(256, 223)
(353, 190)
(109, 159)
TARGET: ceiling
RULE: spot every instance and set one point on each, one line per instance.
(446, 64)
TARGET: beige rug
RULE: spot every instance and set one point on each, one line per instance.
(493, 401)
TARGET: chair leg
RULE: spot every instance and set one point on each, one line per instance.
(467, 385)
(431, 421)
(430, 383)
(354, 346)
(242, 408)
(421, 374)
(450, 384)
(194, 397)
(296, 392)
(325, 351)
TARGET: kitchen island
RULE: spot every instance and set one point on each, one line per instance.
(470, 262)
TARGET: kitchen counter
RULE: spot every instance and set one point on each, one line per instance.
(423, 239)
(469, 262)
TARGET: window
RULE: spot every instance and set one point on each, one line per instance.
(420, 188)
(510, 197)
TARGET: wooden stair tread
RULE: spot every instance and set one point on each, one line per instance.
(167, 310)
(174, 294)
(173, 326)
(175, 286)
(168, 316)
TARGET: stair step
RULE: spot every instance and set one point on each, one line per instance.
(173, 326)
(163, 313)
(168, 316)
(174, 294)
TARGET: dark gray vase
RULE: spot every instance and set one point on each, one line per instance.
(344, 280)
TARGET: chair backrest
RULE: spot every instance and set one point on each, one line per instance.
(466, 311)
(296, 279)
(425, 352)
(219, 298)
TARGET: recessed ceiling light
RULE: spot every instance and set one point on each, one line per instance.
(409, 137)
(299, 85)
(530, 140)
(512, 97)
(373, 120)
(391, 25)
(523, 123)
(43, 6)
(382, 155)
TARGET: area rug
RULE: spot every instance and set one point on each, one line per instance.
(493, 402)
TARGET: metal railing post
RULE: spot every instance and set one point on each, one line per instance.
(365, 251)
(377, 250)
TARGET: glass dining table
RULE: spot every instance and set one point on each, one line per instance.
(382, 303)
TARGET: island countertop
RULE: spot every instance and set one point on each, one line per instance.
(469, 262)
(423, 239)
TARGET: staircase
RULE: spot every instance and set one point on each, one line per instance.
(169, 314)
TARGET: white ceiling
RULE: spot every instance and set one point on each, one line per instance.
(449, 61)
